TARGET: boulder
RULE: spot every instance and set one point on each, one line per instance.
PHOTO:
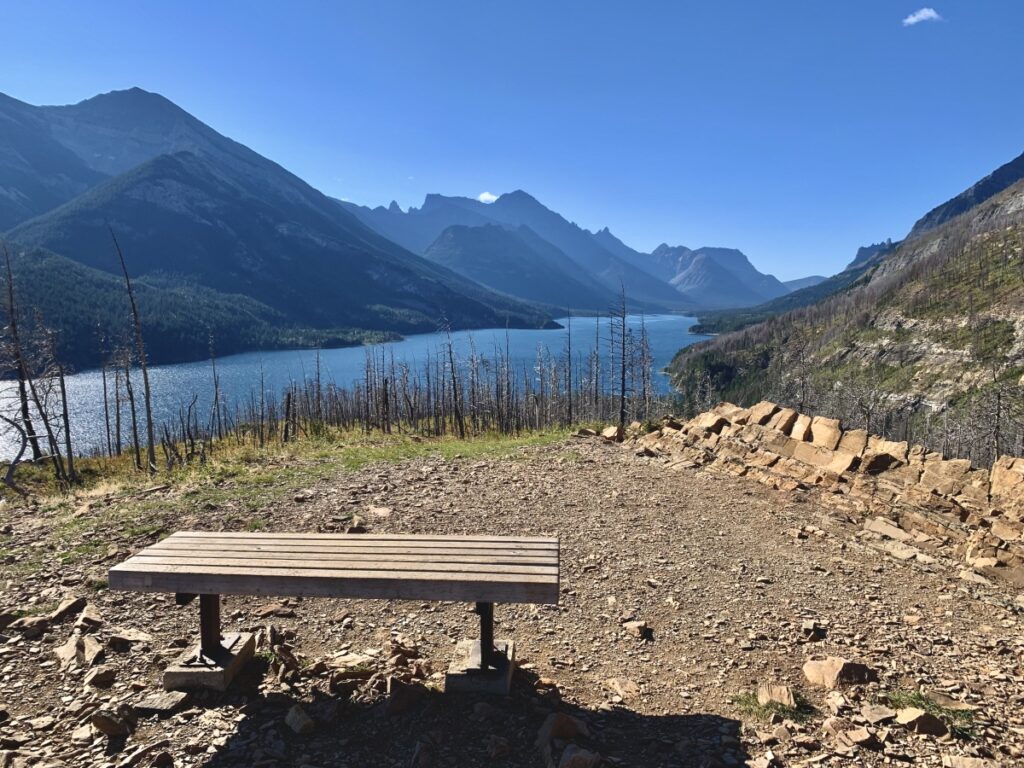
(31, 627)
(834, 672)
(853, 441)
(623, 687)
(613, 434)
(826, 432)
(577, 757)
(801, 429)
(762, 412)
(919, 721)
(1007, 530)
(112, 724)
(299, 721)
(874, 462)
(559, 725)
(89, 651)
(876, 714)
(69, 606)
(945, 477)
(769, 693)
(783, 420)
(709, 422)
(815, 455)
(101, 677)
(900, 450)
(161, 703)
(1007, 487)
(888, 529)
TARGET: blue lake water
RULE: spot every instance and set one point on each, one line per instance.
(175, 385)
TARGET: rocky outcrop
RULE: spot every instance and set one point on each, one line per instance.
(911, 498)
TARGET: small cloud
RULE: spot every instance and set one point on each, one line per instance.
(486, 197)
(924, 14)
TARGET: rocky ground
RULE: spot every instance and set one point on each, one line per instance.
(685, 594)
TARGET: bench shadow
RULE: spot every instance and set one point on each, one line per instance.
(440, 729)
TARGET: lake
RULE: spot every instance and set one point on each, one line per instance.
(174, 385)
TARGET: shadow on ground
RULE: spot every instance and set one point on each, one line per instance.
(461, 730)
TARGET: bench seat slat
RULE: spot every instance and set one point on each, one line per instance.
(333, 555)
(372, 541)
(341, 566)
(547, 540)
(377, 551)
(400, 585)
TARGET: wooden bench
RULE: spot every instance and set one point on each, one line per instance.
(477, 569)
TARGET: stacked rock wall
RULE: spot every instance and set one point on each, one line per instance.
(976, 512)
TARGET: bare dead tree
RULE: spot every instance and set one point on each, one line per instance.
(140, 350)
(21, 368)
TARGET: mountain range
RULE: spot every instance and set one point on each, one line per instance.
(228, 245)
(676, 278)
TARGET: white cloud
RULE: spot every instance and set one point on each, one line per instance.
(486, 197)
(924, 14)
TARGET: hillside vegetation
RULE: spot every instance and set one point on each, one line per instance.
(927, 344)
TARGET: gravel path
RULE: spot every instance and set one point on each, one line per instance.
(738, 586)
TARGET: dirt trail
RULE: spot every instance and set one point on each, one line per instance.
(728, 576)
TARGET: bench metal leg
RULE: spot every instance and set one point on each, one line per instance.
(490, 657)
(209, 625)
(217, 659)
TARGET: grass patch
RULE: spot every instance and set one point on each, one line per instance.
(959, 721)
(84, 551)
(751, 708)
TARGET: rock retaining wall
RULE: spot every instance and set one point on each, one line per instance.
(906, 493)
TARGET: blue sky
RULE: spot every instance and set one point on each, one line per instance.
(796, 131)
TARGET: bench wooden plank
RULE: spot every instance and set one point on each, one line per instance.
(400, 585)
(407, 538)
(342, 566)
(368, 541)
(379, 552)
(329, 555)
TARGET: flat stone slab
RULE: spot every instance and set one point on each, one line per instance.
(189, 672)
(161, 703)
(464, 674)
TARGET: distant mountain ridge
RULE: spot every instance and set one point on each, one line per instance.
(668, 278)
(417, 228)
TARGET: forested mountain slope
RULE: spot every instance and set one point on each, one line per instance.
(927, 344)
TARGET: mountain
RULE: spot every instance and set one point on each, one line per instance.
(519, 263)
(714, 277)
(1002, 178)
(804, 282)
(199, 209)
(930, 325)
(37, 173)
(417, 228)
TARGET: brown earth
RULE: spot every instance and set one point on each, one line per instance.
(739, 585)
